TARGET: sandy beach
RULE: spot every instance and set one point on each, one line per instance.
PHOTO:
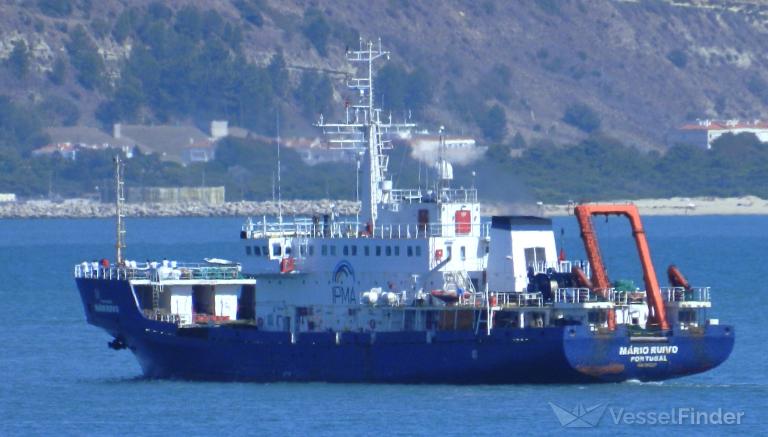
(747, 205)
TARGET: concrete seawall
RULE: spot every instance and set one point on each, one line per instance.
(85, 209)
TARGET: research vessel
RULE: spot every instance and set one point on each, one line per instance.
(418, 288)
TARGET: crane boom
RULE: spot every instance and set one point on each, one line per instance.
(584, 213)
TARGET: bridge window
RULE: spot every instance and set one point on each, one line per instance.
(397, 250)
(288, 250)
(463, 253)
(409, 251)
(277, 250)
(418, 250)
(354, 250)
(687, 316)
(597, 317)
(367, 250)
(247, 250)
(378, 250)
(388, 250)
(345, 250)
(535, 256)
(257, 250)
(312, 250)
(324, 250)
(333, 250)
(303, 250)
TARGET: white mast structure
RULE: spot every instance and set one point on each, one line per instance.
(363, 130)
(279, 181)
(119, 213)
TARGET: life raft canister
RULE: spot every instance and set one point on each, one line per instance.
(287, 265)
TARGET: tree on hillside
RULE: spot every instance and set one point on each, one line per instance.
(278, 74)
(758, 87)
(317, 30)
(583, 117)
(20, 128)
(518, 142)
(19, 60)
(85, 57)
(58, 74)
(55, 8)
(496, 83)
(398, 90)
(58, 111)
(315, 94)
(678, 58)
(250, 12)
(493, 123)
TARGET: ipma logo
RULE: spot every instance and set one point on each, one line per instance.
(343, 287)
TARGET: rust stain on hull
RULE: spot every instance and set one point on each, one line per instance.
(608, 369)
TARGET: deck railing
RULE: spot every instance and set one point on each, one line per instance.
(565, 266)
(446, 195)
(576, 295)
(158, 272)
(680, 294)
(517, 299)
(352, 229)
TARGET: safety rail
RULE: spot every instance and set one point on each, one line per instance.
(455, 195)
(680, 294)
(581, 295)
(352, 229)
(158, 272)
(472, 299)
(160, 316)
(565, 266)
(465, 299)
(624, 298)
(670, 294)
(517, 299)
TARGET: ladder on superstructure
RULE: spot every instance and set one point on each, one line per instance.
(157, 289)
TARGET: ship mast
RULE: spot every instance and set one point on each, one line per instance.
(363, 130)
(119, 213)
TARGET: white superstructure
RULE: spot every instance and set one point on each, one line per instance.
(404, 244)
(413, 259)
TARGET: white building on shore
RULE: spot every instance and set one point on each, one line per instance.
(703, 133)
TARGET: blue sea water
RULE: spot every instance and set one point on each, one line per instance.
(58, 376)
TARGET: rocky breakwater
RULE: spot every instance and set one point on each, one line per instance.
(89, 209)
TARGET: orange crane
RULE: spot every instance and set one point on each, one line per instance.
(657, 314)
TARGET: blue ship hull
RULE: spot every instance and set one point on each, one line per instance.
(567, 354)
